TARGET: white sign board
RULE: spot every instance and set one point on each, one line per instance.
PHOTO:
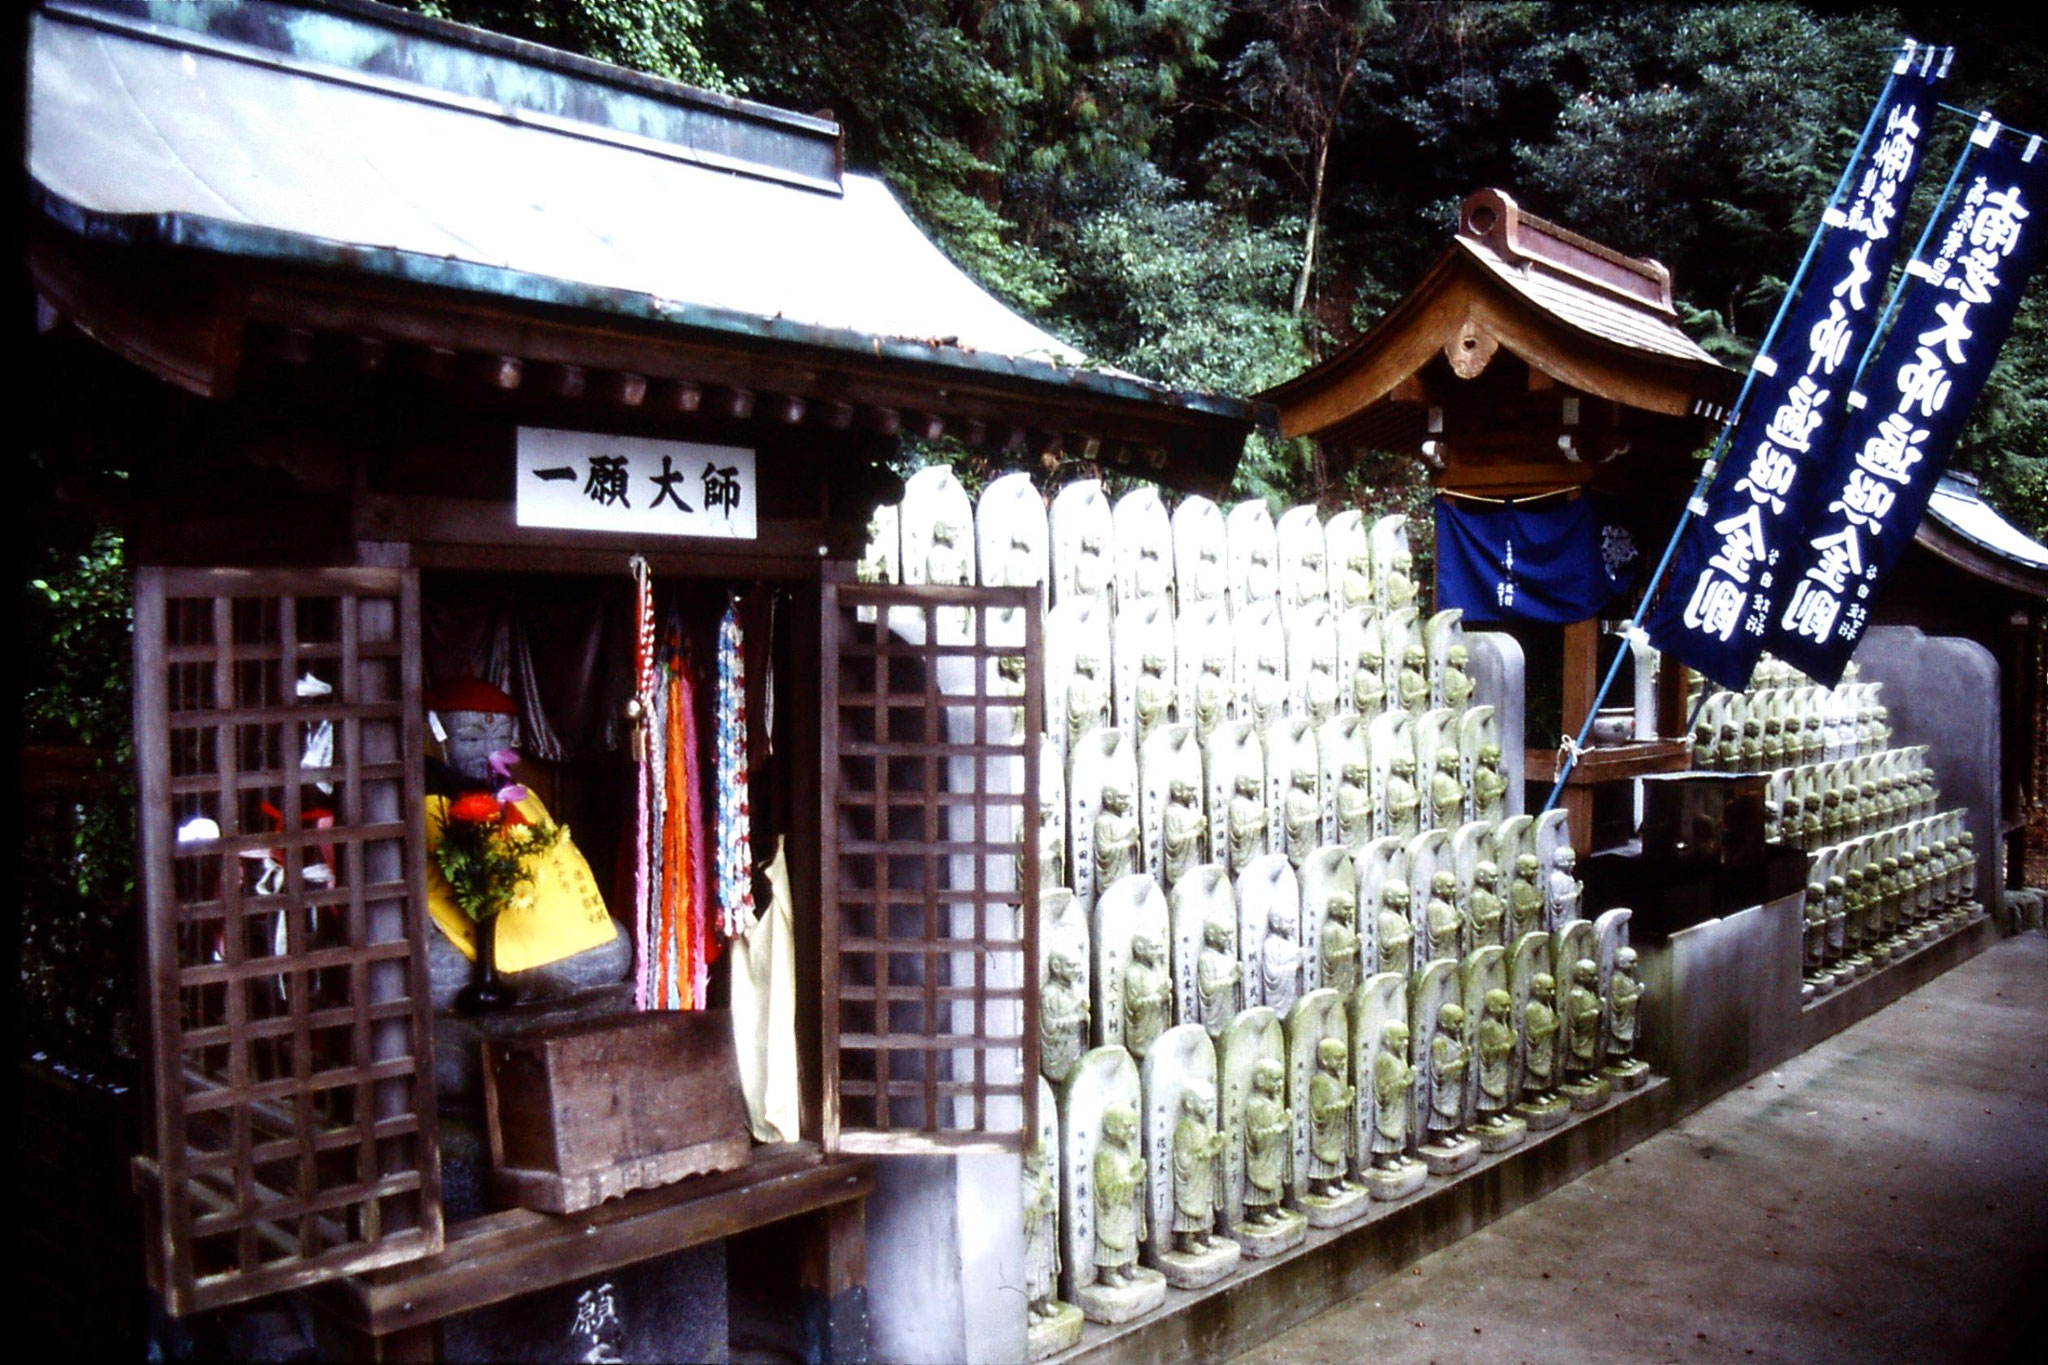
(588, 481)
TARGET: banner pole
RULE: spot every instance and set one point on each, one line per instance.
(1573, 747)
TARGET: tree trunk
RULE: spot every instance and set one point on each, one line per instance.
(1315, 214)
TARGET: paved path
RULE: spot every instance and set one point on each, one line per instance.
(1883, 1197)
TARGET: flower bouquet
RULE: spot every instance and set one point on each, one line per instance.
(487, 854)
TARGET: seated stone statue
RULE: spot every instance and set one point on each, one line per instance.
(552, 943)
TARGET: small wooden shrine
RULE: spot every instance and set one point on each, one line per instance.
(359, 324)
(1532, 361)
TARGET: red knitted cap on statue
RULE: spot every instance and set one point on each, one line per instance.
(469, 694)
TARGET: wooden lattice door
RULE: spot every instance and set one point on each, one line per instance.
(929, 808)
(278, 745)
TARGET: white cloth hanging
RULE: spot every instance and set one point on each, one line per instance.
(764, 1011)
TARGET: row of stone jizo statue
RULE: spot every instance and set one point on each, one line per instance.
(1167, 1166)
(1136, 551)
(1818, 804)
(1783, 723)
(1169, 803)
(1871, 898)
(1140, 961)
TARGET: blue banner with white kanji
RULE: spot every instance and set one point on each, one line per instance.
(1953, 314)
(1556, 560)
(1726, 578)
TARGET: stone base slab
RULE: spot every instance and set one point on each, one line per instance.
(1049, 1336)
(1334, 1210)
(1396, 1182)
(1449, 1157)
(1113, 1303)
(1500, 1133)
(1273, 1238)
(1545, 1113)
(1589, 1093)
(1184, 1270)
(1628, 1075)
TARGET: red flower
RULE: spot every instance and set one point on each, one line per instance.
(475, 808)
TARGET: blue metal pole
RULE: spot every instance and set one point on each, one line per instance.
(1707, 471)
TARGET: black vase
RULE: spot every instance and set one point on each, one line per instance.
(488, 991)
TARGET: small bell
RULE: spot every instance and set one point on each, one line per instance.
(636, 716)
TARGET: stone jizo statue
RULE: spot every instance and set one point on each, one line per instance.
(1217, 972)
(1446, 792)
(1525, 898)
(1062, 1017)
(1582, 1009)
(1484, 909)
(1401, 581)
(1448, 1060)
(1154, 694)
(1403, 803)
(1393, 1080)
(1340, 943)
(1041, 1236)
(1119, 1197)
(1196, 1147)
(1268, 1140)
(1148, 996)
(1624, 1000)
(1411, 682)
(1565, 891)
(1087, 699)
(1329, 1104)
(1247, 822)
(1397, 936)
(1496, 1051)
(1489, 788)
(1354, 806)
(1369, 683)
(1446, 926)
(1457, 678)
(1181, 830)
(1212, 696)
(1304, 815)
(1539, 1037)
(1116, 838)
(1280, 957)
(1269, 690)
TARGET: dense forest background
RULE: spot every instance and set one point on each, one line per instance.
(1212, 193)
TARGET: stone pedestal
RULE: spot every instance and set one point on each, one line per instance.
(1502, 1132)
(1192, 1270)
(1112, 1303)
(1342, 1205)
(1626, 1074)
(1048, 1336)
(1548, 1111)
(1289, 1230)
(1588, 1092)
(1449, 1155)
(1396, 1182)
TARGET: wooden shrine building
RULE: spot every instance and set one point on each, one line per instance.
(1528, 362)
(317, 282)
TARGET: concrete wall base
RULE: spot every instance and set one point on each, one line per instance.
(1264, 1298)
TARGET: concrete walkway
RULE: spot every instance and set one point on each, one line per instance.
(1883, 1197)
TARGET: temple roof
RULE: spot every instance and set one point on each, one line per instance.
(1578, 315)
(1963, 529)
(360, 142)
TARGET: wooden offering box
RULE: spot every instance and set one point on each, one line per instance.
(581, 1113)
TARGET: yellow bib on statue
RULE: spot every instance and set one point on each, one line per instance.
(564, 915)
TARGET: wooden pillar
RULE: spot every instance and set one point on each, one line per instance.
(1671, 716)
(1579, 686)
(832, 1278)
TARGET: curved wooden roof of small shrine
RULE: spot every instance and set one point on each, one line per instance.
(1585, 315)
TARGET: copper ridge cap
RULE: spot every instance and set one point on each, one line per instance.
(1491, 217)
